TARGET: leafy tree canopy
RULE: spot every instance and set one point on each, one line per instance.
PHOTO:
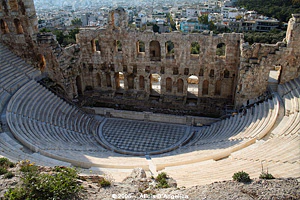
(279, 9)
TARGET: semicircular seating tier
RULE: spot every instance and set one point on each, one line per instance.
(49, 131)
(278, 152)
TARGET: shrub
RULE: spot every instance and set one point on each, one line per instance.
(162, 180)
(241, 177)
(266, 175)
(163, 184)
(161, 176)
(3, 170)
(60, 184)
(5, 162)
(15, 194)
(27, 166)
(104, 183)
(9, 175)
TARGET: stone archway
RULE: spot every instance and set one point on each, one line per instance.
(193, 82)
(155, 53)
(169, 84)
(180, 86)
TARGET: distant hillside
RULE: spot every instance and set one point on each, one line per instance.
(279, 9)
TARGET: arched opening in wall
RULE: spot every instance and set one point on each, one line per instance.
(13, 5)
(218, 87)
(19, 28)
(175, 71)
(155, 84)
(98, 78)
(162, 70)
(226, 73)
(221, 49)
(186, 71)
(41, 62)
(201, 72)
(180, 86)
(155, 54)
(212, 73)
(97, 44)
(108, 80)
(169, 49)
(193, 82)
(119, 78)
(169, 84)
(5, 7)
(134, 70)
(130, 81)
(274, 78)
(195, 50)
(118, 45)
(142, 82)
(116, 19)
(22, 7)
(205, 87)
(140, 47)
(4, 27)
(79, 85)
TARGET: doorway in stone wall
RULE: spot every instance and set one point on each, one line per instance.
(274, 78)
(193, 83)
(155, 84)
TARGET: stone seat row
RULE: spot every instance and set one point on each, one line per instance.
(278, 149)
(281, 146)
(278, 152)
(232, 128)
(36, 102)
(289, 86)
(218, 146)
(14, 62)
(11, 80)
(210, 171)
(4, 98)
(48, 136)
(239, 126)
(11, 149)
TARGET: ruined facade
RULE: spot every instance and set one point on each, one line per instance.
(118, 65)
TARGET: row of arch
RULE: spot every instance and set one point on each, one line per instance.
(17, 24)
(14, 6)
(155, 48)
(154, 85)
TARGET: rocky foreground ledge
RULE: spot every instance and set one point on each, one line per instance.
(138, 186)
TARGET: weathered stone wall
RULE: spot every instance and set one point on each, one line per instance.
(257, 61)
(18, 24)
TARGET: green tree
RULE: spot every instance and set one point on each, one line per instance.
(203, 19)
(76, 22)
(59, 36)
(171, 21)
(278, 9)
(45, 30)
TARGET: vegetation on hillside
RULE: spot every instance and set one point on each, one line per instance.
(60, 183)
(63, 38)
(271, 37)
(279, 9)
